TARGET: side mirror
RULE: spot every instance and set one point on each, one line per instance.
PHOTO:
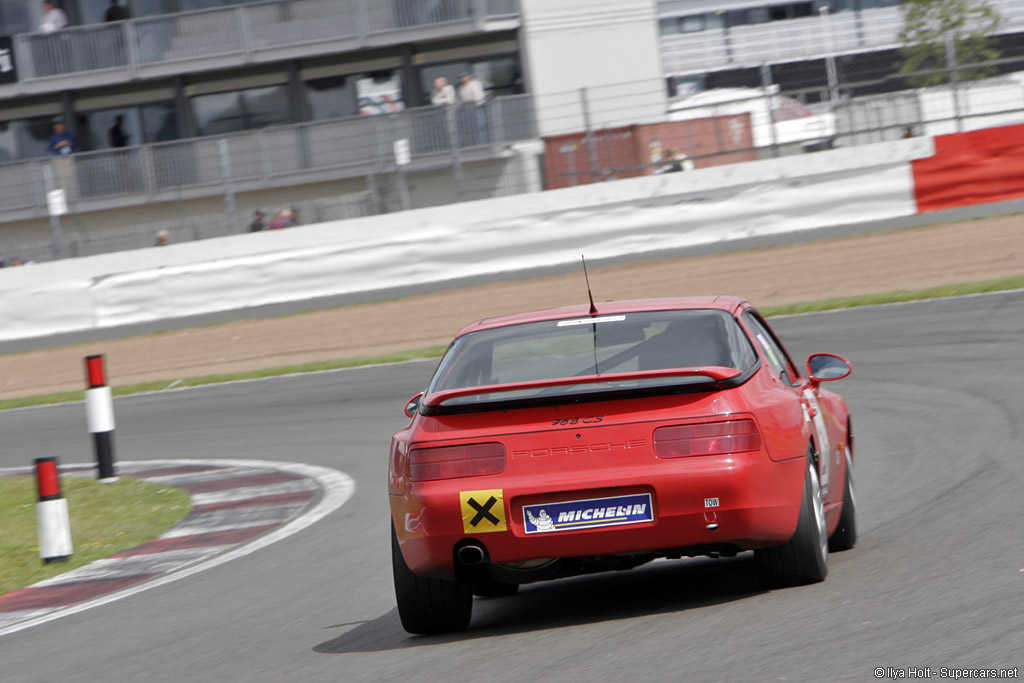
(413, 405)
(827, 367)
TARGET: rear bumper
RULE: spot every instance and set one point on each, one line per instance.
(758, 505)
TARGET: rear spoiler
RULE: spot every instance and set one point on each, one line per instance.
(714, 373)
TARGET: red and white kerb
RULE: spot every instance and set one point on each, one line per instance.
(52, 514)
(99, 410)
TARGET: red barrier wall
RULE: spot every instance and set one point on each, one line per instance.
(971, 168)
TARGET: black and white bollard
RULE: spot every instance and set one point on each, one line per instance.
(99, 410)
(52, 514)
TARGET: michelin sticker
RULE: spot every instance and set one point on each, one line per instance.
(588, 514)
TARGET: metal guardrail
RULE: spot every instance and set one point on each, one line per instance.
(244, 30)
(262, 157)
(799, 39)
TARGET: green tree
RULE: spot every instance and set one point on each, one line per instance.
(928, 24)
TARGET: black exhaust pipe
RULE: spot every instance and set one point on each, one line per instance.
(471, 554)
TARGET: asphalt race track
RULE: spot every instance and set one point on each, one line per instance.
(937, 579)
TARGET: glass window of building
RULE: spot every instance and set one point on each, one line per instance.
(95, 11)
(34, 136)
(714, 20)
(148, 8)
(190, 5)
(109, 129)
(756, 15)
(802, 9)
(691, 24)
(332, 97)
(498, 75)
(19, 17)
(379, 93)
(8, 141)
(668, 27)
(159, 122)
(230, 112)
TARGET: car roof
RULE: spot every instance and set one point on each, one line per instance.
(724, 303)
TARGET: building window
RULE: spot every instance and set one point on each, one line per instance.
(756, 15)
(192, 5)
(8, 141)
(34, 136)
(109, 129)
(691, 24)
(498, 75)
(19, 17)
(159, 122)
(230, 112)
(127, 126)
(330, 98)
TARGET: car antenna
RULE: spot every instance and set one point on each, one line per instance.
(593, 308)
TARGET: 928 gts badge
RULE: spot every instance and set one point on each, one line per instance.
(562, 422)
(482, 511)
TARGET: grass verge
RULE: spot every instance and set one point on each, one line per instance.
(998, 285)
(105, 519)
(945, 292)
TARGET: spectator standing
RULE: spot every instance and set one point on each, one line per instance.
(470, 90)
(472, 117)
(118, 138)
(116, 13)
(163, 237)
(257, 224)
(53, 19)
(62, 142)
(293, 219)
(444, 93)
(280, 219)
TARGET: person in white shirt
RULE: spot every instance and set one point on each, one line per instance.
(444, 94)
(53, 19)
(472, 117)
(470, 90)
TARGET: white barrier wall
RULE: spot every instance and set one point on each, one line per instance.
(475, 238)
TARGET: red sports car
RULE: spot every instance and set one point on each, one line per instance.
(583, 439)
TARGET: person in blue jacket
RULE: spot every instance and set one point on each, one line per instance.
(61, 142)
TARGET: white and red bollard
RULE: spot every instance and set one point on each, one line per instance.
(52, 514)
(99, 410)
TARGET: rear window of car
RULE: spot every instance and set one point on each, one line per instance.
(603, 344)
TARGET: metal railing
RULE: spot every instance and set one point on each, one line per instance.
(341, 148)
(80, 241)
(799, 39)
(243, 31)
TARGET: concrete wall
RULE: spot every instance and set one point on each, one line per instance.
(609, 47)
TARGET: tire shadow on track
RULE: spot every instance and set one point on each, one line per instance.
(658, 588)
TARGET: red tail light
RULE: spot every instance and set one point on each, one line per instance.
(426, 464)
(709, 438)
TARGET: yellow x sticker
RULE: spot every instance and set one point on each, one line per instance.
(482, 511)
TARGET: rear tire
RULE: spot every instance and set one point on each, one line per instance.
(492, 588)
(428, 605)
(845, 535)
(804, 558)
